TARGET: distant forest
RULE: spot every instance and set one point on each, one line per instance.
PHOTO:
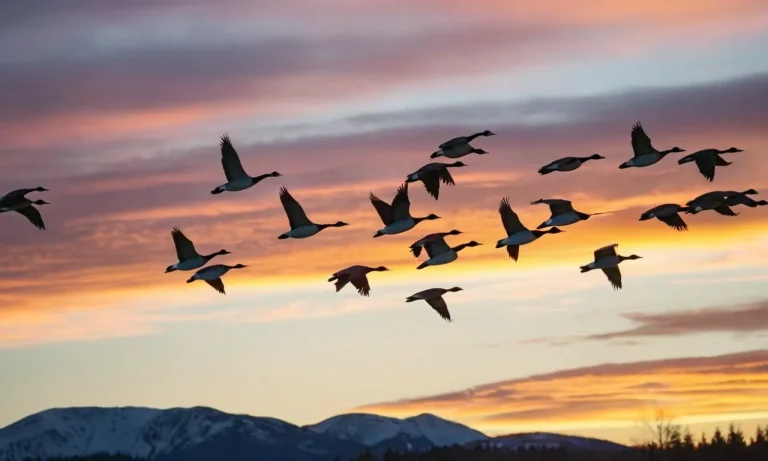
(670, 444)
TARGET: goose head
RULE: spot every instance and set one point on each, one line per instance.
(458, 164)
(455, 289)
(431, 217)
(40, 202)
(479, 151)
(677, 149)
(380, 269)
(43, 189)
(454, 232)
(488, 133)
(624, 258)
(732, 150)
(275, 174)
(596, 157)
(340, 224)
(238, 266)
(223, 252)
(554, 230)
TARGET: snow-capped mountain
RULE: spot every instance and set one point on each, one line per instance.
(178, 433)
(371, 430)
(203, 434)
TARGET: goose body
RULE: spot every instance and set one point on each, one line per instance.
(301, 226)
(434, 297)
(237, 178)
(189, 258)
(212, 275)
(608, 260)
(458, 151)
(562, 213)
(567, 164)
(517, 233)
(357, 276)
(667, 213)
(644, 152)
(432, 174)
(706, 160)
(419, 244)
(717, 201)
(440, 253)
(397, 217)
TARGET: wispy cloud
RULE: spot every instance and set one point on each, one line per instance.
(609, 394)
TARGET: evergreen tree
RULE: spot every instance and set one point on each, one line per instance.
(703, 443)
(760, 436)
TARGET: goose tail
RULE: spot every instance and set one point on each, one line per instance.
(585, 268)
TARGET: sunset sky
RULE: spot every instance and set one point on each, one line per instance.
(117, 108)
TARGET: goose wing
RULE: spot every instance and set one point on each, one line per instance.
(722, 209)
(674, 221)
(558, 206)
(706, 166)
(614, 276)
(440, 306)
(453, 142)
(513, 251)
(382, 208)
(361, 283)
(641, 143)
(33, 215)
(509, 218)
(296, 215)
(185, 249)
(431, 183)
(608, 250)
(217, 285)
(401, 205)
(230, 161)
(436, 246)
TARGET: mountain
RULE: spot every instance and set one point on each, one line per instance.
(548, 440)
(417, 433)
(203, 434)
(187, 434)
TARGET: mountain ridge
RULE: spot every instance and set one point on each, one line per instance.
(197, 433)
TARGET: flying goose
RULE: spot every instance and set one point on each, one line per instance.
(189, 258)
(707, 159)
(212, 275)
(645, 153)
(517, 233)
(440, 253)
(562, 212)
(462, 140)
(419, 244)
(356, 275)
(432, 174)
(434, 297)
(17, 198)
(668, 214)
(608, 260)
(237, 178)
(717, 201)
(301, 226)
(17, 201)
(567, 163)
(397, 217)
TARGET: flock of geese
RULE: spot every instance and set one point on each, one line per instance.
(396, 216)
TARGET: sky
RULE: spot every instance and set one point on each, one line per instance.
(118, 110)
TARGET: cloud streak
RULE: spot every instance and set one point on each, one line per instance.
(608, 394)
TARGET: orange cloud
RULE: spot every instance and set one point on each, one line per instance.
(611, 395)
